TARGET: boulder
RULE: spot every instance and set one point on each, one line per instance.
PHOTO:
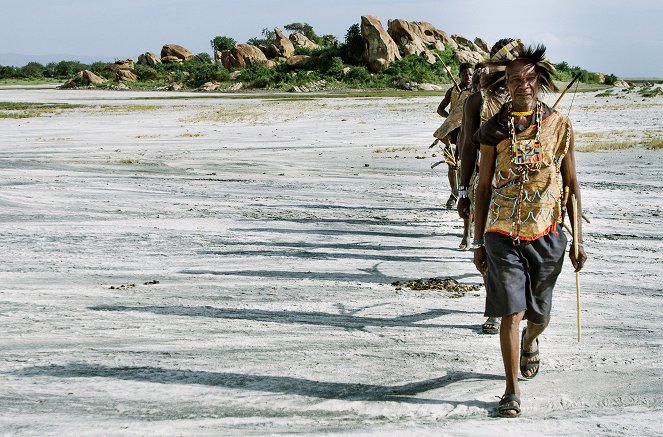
(171, 60)
(242, 56)
(417, 36)
(482, 44)
(209, 86)
(621, 84)
(177, 51)
(126, 76)
(83, 78)
(464, 42)
(298, 59)
(283, 45)
(469, 56)
(380, 50)
(300, 40)
(127, 64)
(149, 58)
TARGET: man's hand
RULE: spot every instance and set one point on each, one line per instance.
(463, 207)
(580, 261)
(481, 260)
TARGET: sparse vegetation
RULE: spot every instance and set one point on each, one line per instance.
(654, 144)
(339, 65)
(595, 147)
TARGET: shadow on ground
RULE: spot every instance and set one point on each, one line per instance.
(267, 383)
(346, 321)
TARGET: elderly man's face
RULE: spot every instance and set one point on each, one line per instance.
(522, 82)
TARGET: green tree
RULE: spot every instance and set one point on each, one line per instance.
(32, 69)
(354, 45)
(303, 28)
(268, 37)
(222, 43)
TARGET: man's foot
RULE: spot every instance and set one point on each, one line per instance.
(491, 325)
(451, 202)
(464, 245)
(529, 359)
(509, 406)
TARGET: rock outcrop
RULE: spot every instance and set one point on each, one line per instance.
(174, 51)
(83, 78)
(126, 76)
(380, 50)
(242, 56)
(149, 59)
(127, 64)
(419, 38)
(300, 40)
(298, 59)
(283, 45)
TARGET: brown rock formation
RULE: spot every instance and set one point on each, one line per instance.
(380, 50)
(297, 59)
(127, 64)
(482, 44)
(173, 50)
(283, 45)
(83, 78)
(149, 58)
(300, 40)
(242, 56)
(126, 76)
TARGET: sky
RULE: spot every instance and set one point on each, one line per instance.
(613, 37)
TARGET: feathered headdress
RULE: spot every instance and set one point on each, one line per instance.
(516, 50)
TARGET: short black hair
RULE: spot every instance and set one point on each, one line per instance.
(464, 66)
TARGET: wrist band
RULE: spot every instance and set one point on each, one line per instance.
(462, 192)
(478, 242)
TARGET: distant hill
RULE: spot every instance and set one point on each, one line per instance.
(17, 60)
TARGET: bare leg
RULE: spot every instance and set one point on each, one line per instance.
(530, 345)
(465, 242)
(454, 188)
(510, 345)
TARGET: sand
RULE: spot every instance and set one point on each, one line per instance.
(177, 265)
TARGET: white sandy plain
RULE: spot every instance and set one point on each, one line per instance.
(274, 229)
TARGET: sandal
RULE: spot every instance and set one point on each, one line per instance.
(530, 365)
(490, 326)
(509, 406)
(451, 202)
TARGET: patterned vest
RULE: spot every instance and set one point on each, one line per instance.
(527, 185)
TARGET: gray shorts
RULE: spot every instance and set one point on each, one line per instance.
(522, 277)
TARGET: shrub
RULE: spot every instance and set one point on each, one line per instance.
(201, 73)
(32, 69)
(610, 79)
(145, 73)
(203, 57)
(222, 43)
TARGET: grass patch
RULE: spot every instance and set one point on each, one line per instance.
(654, 144)
(227, 115)
(128, 161)
(28, 110)
(149, 136)
(606, 146)
(191, 135)
(395, 149)
(128, 108)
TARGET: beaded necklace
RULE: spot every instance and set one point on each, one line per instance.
(527, 155)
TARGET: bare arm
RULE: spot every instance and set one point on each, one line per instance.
(570, 180)
(441, 109)
(482, 202)
(468, 148)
